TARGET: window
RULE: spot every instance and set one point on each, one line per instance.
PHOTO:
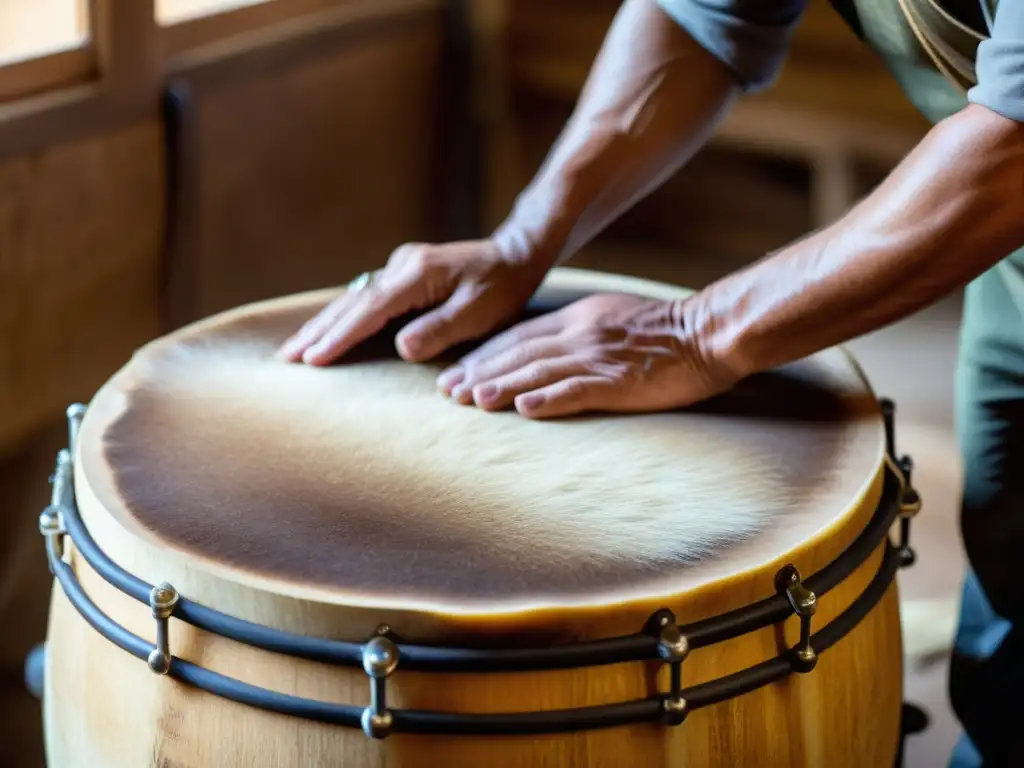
(44, 45)
(175, 11)
(32, 29)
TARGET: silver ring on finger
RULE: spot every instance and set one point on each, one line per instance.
(361, 282)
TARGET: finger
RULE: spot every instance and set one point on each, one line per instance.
(293, 348)
(503, 342)
(571, 396)
(368, 314)
(545, 325)
(460, 318)
(501, 391)
(526, 354)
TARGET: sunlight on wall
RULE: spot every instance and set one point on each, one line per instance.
(33, 28)
(175, 11)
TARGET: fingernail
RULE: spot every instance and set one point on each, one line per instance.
(463, 394)
(529, 401)
(448, 379)
(412, 345)
(289, 346)
(485, 392)
(310, 355)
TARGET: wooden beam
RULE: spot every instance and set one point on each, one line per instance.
(129, 58)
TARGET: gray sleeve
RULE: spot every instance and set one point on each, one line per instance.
(1000, 64)
(751, 37)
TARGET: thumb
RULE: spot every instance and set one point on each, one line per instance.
(461, 318)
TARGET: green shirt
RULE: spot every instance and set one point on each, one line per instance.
(752, 37)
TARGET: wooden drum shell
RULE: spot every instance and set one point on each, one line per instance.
(104, 707)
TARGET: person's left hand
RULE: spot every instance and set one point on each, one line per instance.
(607, 352)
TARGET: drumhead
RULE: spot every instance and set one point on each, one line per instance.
(360, 484)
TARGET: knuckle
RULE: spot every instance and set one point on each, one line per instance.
(574, 389)
(538, 369)
(415, 256)
(404, 251)
(420, 257)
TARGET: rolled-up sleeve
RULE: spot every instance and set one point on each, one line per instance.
(1000, 64)
(751, 37)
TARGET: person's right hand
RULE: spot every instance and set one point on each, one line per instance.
(471, 288)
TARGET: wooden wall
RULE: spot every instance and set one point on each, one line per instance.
(161, 173)
(81, 226)
(305, 160)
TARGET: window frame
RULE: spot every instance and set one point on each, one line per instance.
(111, 81)
(120, 74)
(51, 70)
(220, 26)
(30, 77)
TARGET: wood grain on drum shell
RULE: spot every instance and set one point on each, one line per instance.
(362, 479)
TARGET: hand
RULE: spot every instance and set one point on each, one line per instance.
(608, 352)
(473, 288)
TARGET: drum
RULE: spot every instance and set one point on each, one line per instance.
(266, 564)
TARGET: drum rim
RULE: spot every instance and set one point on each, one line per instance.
(661, 639)
(839, 531)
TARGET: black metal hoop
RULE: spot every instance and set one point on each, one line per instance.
(660, 640)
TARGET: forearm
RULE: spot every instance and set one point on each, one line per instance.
(649, 103)
(952, 209)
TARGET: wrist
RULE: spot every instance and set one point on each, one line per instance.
(521, 247)
(539, 226)
(715, 339)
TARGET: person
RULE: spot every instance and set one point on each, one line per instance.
(950, 215)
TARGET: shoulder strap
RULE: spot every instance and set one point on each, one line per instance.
(951, 45)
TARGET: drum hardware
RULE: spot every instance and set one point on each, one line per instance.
(804, 604)
(673, 648)
(162, 600)
(75, 414)
(51, 521)
(903, 467)
(660, 639)
(380, 658)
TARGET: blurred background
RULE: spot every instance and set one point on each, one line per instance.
(161, 160)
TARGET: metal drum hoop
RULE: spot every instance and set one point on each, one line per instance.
(661, 639)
